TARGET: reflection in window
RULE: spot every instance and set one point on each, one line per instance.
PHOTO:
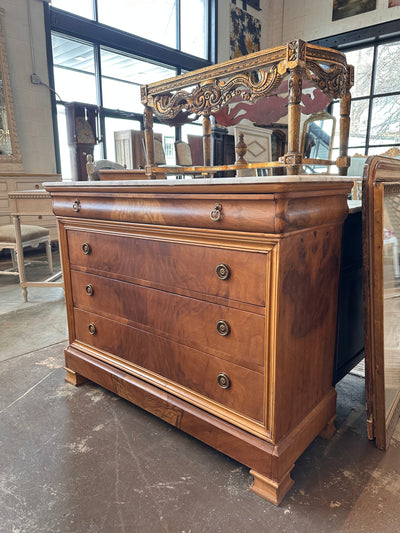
(122, 76)
(72, 54)
(74, 70)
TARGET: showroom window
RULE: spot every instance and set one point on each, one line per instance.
(102, 52)
(375, 106)
(180, 24)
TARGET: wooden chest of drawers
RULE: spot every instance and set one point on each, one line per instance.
(212, 304)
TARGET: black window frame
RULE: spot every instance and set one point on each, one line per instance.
(372, 37)
(100, 35)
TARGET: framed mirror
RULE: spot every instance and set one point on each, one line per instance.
(317, 139)
(10, 155)
(381, 221)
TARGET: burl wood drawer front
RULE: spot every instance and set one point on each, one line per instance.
(220, 272)
(231, 385)
(234, 335)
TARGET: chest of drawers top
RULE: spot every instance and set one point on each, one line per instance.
(273, 205)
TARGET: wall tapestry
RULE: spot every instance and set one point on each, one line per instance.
(394, 3)
(348, 8)
(245, 33)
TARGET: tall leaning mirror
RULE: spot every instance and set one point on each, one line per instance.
(381, 221)
(317, 140)
(10, 155)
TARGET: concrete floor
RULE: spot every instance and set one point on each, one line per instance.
(83, 460)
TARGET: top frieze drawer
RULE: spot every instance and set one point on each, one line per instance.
(234, 274)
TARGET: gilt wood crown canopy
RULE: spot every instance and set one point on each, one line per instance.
(206, 91)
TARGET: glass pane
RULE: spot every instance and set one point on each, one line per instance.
(126, 68)
(155, 20)
(385, 120)
(72, 54)
(122, 76)
(121, 95)
(117, 133)
(358, 123)
(391, 288)
(83, 8)
(387, 68)
(72, 86)
(74, 70)
(194, 36)
(362, 63)
(63, 141)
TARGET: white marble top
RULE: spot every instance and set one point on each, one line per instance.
(171, 182)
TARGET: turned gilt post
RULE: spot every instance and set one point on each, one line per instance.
(345, 106)
(294, 114)
(148, 137)
(207, 140)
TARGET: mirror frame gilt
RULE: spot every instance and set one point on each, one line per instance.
(13, 161)
(379, 173)
(315, 117)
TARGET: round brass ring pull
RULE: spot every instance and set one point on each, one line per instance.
(223, 328)
(86, 248)
(223, 380)
(223, 271)
(92, 329)
(216, 213)
(89, 290)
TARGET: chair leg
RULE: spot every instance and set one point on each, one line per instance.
(49, 256)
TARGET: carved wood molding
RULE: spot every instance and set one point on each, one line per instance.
(14, 160)
(257, 75)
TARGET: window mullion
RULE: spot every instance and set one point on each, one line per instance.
(178, 24)
(371, 94)
(95, 10)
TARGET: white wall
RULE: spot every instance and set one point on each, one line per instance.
(31, 102)
(286, 20)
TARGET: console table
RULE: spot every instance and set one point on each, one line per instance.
(212, 304)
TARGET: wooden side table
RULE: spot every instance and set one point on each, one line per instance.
(31, 203)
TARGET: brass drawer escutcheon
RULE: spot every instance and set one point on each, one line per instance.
(223, 380)
(86, 248)
(89, 290)
(76, 206)
(216, 213)
(223, 271)
(92, 329)
(223, 328)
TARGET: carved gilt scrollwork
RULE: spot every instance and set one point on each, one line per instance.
(331, 80)
(260, 74)
(209, 97)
